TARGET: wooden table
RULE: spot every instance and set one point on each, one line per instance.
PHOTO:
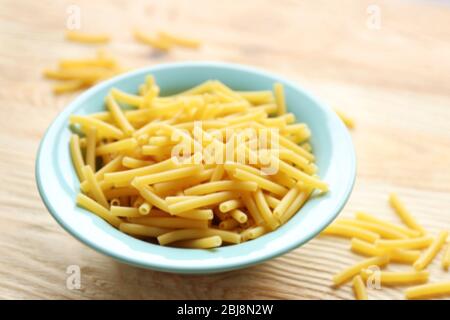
(395, 82)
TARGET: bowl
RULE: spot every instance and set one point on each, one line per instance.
(58, 184)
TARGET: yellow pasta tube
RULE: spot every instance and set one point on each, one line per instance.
(279, 98)
(359, 288)
(446, 258)
(90, 147)
(428, 290)
(377, 228)
(228, 224)
(296, 204)
(147, 193)
(302, 177)
(95, 189)
(118, 146)
(203, 243)
(239, 216)
(272, 201)
(144, 208)
(143, 231)
(123, 97)
(128, 175)
(115, 202)
(188, 234)
(197, 214)
(396, 255)
(398, 278)
(230, 205)
(298, 160)
(202, 201)
(347, 231)
(355, 269)
(170, 222)
(252, 208)
(224, 185)
(403, 213)
(168, 175)
(349, 122)
(84, 37)
(132, 163)
(253, 233)
(386, 224)
(104, 129)
(257, 97)
(285, 202)
(431, 251)
(77, 157)
(180, 41)
(264, 210)
(68, 86)
(153, 42)
(119, 116)
(415, 243)
(124, 211)
(91, 205)
(218, 173)
(263, 183)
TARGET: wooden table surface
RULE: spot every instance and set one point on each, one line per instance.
(394, 80)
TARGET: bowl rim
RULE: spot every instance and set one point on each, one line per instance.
(167, 267)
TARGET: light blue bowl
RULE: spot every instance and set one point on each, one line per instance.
(58, 184)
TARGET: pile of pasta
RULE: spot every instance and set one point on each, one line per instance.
(130, 177)
(385, 242)
(76, 74)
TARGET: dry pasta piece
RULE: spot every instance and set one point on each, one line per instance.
(285, 202)
(217, 175)
(104, 129)
(189, 234)
(252, 208)
(377, 228)
(228, 224)
(279, 98)
(77, 157)
(133, 163)
(90, 147)
(359, 288)
(119, 116)
(428, 290)
(253, 233)
(147, 193)
(238, 215)
(224, 185)
(89, 38)
(180, 41)
(153, 42)
(446, 258)
(263, 183)
(117, 146)
(386, 224)
(123, 97)
(95, 189)
(349, 122)
(230, 205)
(124, 211)
(403, 213)
(295, 206)
(99, 210)
(431, 251)
(197, 214)
(202, 201)
(347, 231)
(355, 269)
(415, 243)
(68, 86)
(170, 222)
(264, 210)
(168, 175)
(144, 208)
(140, 230)
(202, 243)
(397, 278)
(396, 255)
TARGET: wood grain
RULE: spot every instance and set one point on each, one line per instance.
(395, 82)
